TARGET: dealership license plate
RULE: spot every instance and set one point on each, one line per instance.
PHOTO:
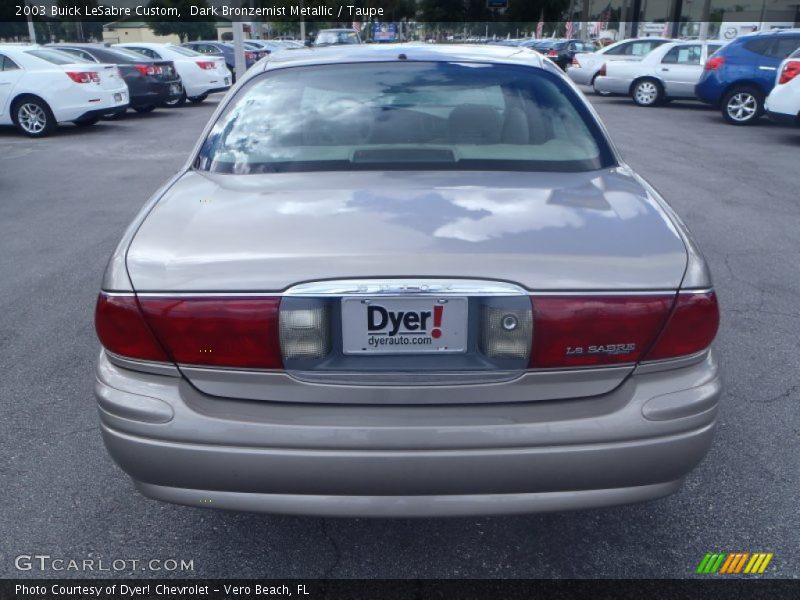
(117, 97)
(404, 325)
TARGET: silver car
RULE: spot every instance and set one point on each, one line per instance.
(669, 72)
(406, 281)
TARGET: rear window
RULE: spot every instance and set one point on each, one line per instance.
(56, 57)
(182, 50)
(124, 54)
(414, 115)
(337, 37)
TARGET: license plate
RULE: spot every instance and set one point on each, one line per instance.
(117, 97)
(227, 81)
(424, 325)
(174, 89)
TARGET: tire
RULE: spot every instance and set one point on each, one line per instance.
(198, 99)
(647, 92)
(145, 109)
(33, 117)
(87, 121)
(177, 102)
(742, 105)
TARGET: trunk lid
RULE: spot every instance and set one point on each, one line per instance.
(543, 231)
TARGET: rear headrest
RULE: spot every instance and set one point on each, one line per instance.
(474, 124)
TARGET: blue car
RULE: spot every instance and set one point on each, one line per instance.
(739, 76)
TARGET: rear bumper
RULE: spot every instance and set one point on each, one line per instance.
(105, 112)
(783, 118)
(635, 443)
(156, 92)
(612, 85)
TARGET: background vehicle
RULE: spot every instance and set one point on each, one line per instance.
(225, 50)
(272, 46)
(586, 65)
(150, 82)
(333, 37)
(740, 75)
(670, 71)
(562, 52)
(783, 103)
(548, 377)
(200, 74)
(41, 87)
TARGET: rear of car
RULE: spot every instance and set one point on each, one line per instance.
(739, 77)
(416, 282)
(585, 66)
(783, 103)
(200, 74)
(562, 53)
(40, 87)
(150, 82)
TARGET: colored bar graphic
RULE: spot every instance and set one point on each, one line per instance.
(734, 562)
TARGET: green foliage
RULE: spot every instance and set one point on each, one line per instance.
(185, 29)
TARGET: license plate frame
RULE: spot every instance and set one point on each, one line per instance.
(118, 97)
(403, 325)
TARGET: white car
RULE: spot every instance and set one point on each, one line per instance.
(41, 87)
(201, 74)
(783, 102)
(585, 66)
(668, 72)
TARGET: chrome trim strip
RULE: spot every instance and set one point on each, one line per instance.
(145, 366)
(388, 378)
(416, 286)
(656, 366)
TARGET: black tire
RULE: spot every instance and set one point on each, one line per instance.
(145, 109)
(742, 105)
(647, 92)
(177, 102)
(87, 121)
(198, 99)
(33, 117)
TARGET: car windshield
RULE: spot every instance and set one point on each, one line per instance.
(412, 115)
(337, 37)
(57, 57)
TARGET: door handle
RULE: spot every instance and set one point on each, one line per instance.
(664, 69)
(766, 68)
(5, 83)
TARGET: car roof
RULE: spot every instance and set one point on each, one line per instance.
(777, 32)
(412, 52)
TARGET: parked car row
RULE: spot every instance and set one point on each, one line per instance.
(745, 78)
(42, 86)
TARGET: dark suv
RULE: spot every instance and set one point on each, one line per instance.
(739, 76)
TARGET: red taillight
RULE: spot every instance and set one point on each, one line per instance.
(691, 328)
(714, 63)
(249, 56)
(602, 71)
(552, 52)
(790, 70)
(206, 65)
(575, 62)
(84, 76)
(122, 330)
(145, 69)
(579, 331)
(218, 332)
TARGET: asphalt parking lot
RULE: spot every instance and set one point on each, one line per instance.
(64, 202)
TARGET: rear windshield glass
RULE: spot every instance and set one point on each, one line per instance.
(412, 115)
(57, 57)
(129, 54)
(337, 37)
(182, 50)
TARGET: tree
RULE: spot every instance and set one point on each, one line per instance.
(184, 28)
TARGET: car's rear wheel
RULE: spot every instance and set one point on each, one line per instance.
(179, 101)
(145, 109)
(742, 105)
(87, 121)
(198, 99)
(647, 92)
(33, 117)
